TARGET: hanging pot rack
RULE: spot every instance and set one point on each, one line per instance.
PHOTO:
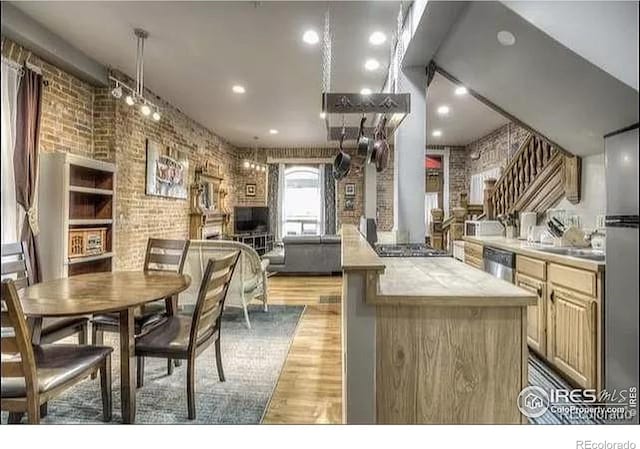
(343, 111)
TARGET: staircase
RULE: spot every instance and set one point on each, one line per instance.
(537, 177)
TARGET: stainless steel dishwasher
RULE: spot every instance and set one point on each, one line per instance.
(499, 263)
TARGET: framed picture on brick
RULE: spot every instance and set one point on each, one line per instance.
(350, 189)
(250, 190)
(166, 171)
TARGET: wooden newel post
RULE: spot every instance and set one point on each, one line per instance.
(457, 226)
(489, 187)
(437, 237)
(463, 200)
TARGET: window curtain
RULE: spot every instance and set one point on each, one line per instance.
(476, 194)
(273, 186)
(430, 202)
(329, 187)
(25, 160)
(9, 93)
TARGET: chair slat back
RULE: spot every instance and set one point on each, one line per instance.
(16, 264)
(17, 352)
(166, 255)
(211, 297)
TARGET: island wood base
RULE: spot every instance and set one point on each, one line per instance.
(449, 365)
(429, 340)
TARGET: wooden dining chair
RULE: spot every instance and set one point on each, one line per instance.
(185, 337)
(162, 255)
(34, 374)
(16, 265)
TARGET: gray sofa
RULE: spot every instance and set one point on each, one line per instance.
(306, 254)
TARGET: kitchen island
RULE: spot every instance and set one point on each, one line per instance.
(429, 340)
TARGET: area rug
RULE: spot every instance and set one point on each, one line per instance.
(253, 359)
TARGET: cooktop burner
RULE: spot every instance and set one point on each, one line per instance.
(409, 250)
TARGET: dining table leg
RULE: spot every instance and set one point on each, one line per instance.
(127, 366)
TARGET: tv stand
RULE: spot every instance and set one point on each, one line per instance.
(262, 242)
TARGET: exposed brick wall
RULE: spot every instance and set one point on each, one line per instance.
(140, 216)
(495, 149)
(356, 176)
(86, 120)
(67, 105)
(457, 174)
(245, 176)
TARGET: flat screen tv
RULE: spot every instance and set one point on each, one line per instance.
(251, 219)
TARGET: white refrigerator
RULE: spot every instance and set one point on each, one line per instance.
(621, 311)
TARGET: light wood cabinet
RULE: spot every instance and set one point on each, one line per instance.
(571, 344)
(473, 255)
(536, 315)
(564, 326)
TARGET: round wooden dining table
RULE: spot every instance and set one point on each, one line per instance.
(95, 293)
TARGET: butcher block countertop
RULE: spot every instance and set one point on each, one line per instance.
(525, 248)
(444, 281)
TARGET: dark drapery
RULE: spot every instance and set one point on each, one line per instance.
(25, 158)
(272, 198)
(329, 200)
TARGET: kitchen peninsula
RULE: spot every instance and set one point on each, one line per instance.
(429, 340)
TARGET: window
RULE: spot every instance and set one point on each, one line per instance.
(10, 215)
(302, 200)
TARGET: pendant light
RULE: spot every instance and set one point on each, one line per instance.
(252, 165)
(135, 96)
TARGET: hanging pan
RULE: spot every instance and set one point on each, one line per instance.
(342, 162)
(365, 144)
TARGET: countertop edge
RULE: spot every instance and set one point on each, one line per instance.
(547, 257)
(458, 301)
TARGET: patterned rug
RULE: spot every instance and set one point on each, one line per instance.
(541, 375)
(252, 359)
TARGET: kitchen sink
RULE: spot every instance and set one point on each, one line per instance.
(588, 254)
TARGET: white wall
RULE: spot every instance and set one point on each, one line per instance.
(593, 194)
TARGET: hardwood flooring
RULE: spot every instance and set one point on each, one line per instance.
(309, 390)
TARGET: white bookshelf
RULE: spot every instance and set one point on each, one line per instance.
(74, 193)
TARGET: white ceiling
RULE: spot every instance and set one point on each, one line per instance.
(602, 32)
(541, 82)
(468, 118)
(198, 50)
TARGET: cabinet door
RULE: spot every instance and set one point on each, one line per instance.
(536, 315)
(571, 333)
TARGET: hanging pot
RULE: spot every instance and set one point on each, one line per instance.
(365, 144)
(380, 153)
(342, 162)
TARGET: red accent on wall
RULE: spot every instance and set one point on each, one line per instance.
(434, 162)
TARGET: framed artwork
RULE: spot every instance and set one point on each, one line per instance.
(167, 171)
(349, 204)
(350, 189)
(250, 190)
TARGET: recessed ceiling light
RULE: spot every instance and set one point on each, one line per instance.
(372, 64)
(238, 89)
(461, 90)
(436, 133)
(506, 38)
(443, 110)
(365, 91)
(323, 115)
(310, 37)
(273, 131)
(377, 38)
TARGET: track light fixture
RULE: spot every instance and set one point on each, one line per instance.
(136, 95)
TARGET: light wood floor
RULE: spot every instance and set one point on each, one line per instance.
(309, 388)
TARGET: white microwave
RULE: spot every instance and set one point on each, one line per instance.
(479, 228)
